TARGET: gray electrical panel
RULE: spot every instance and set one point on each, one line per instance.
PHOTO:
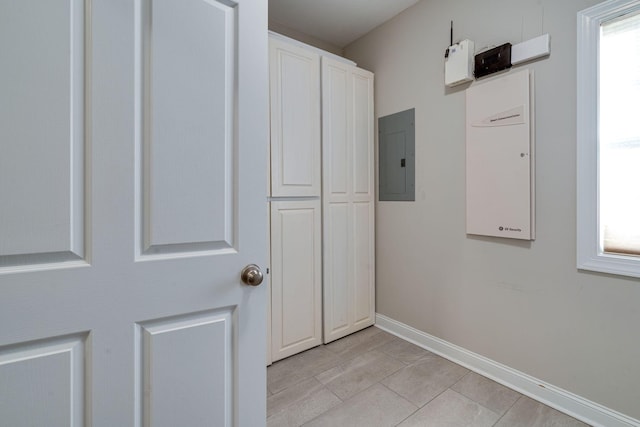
(396, 156)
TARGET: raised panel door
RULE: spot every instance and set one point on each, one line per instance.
(134, 136)
(296, 279)
(295, 120)
(348, 199)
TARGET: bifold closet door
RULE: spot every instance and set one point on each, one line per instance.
(348, 199)
(296, 279)
(294, 74)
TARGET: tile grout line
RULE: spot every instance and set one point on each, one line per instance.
(507, 411)
(377, 348)
(290, 404)
(500, 416)
(376, 343)
(406, 364)
(342, 402)
(480, 404)
(348, 359)
(403, 398)
(291, 385)
(377, 382)
(420, 407)
(362, 354)
(327, 410)
(383, 378)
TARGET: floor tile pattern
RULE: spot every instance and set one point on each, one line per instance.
(374, 379)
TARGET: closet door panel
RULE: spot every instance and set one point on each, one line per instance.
(335, 127)
(362, 134)
(295, 120)
(363, 264)
(296, 277)
(363, 226)
(348, 192)
(337, 266)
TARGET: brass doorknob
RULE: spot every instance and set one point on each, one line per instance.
(252, 275)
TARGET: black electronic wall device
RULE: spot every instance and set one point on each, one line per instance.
(492, 60)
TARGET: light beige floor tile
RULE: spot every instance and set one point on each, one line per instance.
(451, 409)
(345, 367)
(299, 403)
(303, 390)
(358, 343)
(359, 373)
(287, 372)
(375, 407)
(488, 393)
(355, 338)
(403, 350)
(425, 379)
(528, 413)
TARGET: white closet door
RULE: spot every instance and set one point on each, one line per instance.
(295, 120)
(348, 199)
(362, 206)
(296, 280)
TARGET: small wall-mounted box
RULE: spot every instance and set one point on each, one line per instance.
(492, 60)
(531, 49)
(458, 63)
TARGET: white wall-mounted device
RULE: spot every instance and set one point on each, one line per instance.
(458, 63)
(500, 157)
(531, 49)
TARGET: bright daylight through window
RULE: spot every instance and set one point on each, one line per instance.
(620, 135)
(608, 131)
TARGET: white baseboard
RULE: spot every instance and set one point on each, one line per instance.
(578, 407)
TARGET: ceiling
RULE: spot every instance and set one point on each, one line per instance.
(338, 22)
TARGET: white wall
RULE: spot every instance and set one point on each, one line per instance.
(519, 303)
(305, 38)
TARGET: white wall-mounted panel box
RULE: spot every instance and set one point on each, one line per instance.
(458, 63)
(531, 49)
(500, 161)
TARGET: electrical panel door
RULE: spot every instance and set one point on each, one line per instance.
(396, 156)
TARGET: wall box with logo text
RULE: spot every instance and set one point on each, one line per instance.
(500, 157)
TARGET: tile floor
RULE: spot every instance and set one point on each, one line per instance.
(372, 378)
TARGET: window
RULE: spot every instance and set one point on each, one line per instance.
(608, 108)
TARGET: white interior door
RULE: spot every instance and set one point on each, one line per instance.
(133, 138)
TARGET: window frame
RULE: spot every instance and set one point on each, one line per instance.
(590, 254)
